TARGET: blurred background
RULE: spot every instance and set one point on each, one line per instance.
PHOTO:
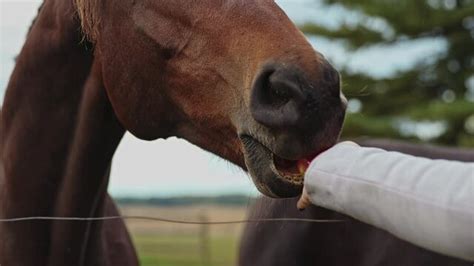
(408, 72)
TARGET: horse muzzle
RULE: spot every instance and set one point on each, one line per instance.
(301, 116)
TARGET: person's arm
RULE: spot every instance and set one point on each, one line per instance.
(429, 203)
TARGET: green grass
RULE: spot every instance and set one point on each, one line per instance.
(185, 250)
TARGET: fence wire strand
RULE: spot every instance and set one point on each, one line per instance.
(164, 220)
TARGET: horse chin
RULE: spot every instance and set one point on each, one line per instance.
(268, 180)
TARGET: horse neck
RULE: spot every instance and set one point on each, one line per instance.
(44, 92)
(39, 117)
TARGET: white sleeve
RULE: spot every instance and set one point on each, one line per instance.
(429, 203)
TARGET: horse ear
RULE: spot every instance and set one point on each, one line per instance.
(157, 23)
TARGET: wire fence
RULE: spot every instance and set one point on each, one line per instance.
(201, 244)
(165, 220)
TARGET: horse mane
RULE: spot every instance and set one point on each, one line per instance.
(88, 12)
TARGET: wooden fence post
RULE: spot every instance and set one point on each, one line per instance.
(204, 240)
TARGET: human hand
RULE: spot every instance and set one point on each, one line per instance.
(305, 199)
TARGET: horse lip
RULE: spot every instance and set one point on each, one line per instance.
(297, 179)
(267, 179)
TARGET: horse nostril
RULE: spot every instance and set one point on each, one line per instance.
(276, 98)
(273, 93)
(284, 89)
(276, 94)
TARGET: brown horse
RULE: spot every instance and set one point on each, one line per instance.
(349, 243)
(234, 77)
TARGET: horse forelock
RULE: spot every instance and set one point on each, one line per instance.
(88, 12)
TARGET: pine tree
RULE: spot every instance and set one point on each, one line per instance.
(437, 90)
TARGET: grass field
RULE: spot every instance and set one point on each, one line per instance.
(167, 244)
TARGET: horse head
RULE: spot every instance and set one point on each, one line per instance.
(236, 78)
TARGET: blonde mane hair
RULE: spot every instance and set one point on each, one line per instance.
(88, 12)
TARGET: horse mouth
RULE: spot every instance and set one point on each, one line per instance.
(272, 174)
(291, 170)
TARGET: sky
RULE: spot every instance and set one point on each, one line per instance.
(174, 167)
